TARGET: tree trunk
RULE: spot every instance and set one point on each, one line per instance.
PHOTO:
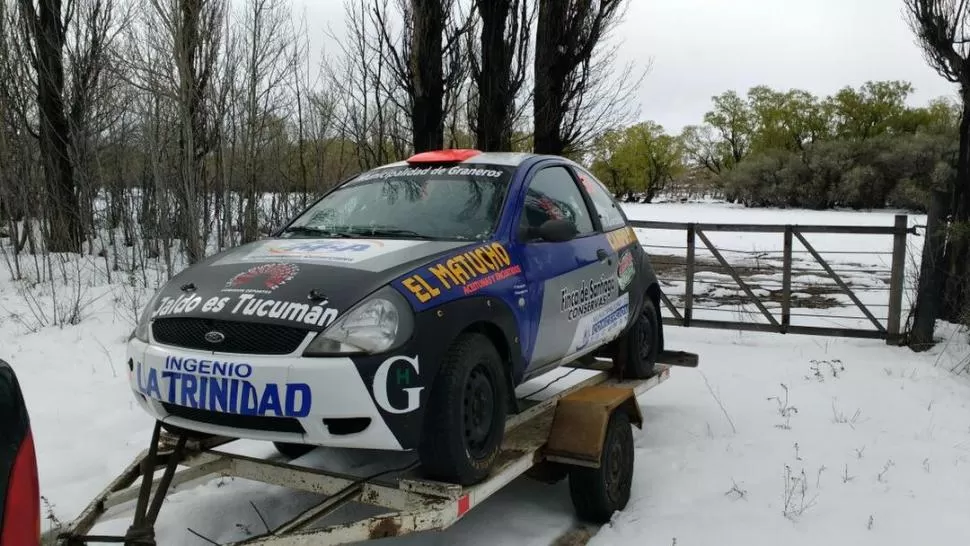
(549, 78)
(495, 96)
(956, 299)
(192, 87)
(427, 76)
(65, 233)
(931, 275)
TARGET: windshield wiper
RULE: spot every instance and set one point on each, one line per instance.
(393, 232)
(310, 230)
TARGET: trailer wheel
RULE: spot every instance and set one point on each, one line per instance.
(293, 451)
(598, 492)
(641, 344)
(466, 413)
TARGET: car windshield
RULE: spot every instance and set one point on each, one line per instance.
(437, 202)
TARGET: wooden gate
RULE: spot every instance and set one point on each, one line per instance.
(767, 288)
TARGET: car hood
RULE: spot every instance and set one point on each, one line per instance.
(296, 282)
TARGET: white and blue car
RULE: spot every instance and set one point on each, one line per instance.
(401, 309)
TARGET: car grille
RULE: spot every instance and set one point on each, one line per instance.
(232, 420)
(240, 337)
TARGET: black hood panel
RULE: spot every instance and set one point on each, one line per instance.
(305, 283)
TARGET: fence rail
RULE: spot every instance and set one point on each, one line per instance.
(763, 298)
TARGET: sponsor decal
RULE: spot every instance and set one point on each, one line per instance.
(332, 251)
(248, 305)
(590, 295)
(384, 174)
(399, 373)
(222, 386)
(267, 277)
(603, 325)
(625, 270)
(468, 271)
(622, 237)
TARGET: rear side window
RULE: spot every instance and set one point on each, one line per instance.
(611, 217)
(553, 195)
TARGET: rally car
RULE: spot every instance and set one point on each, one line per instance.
(401, 310)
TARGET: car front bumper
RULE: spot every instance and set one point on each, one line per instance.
(287, 398)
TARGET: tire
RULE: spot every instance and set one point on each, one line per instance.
(293, 451)
(466, 413)
(599, 492)
(640, 345)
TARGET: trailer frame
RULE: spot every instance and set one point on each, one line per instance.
(544, 440)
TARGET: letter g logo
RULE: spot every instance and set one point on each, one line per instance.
(401, 376)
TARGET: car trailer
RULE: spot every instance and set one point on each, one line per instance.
(564, 435)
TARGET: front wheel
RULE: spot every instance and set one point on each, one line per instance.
(638, 348)
(466, 413)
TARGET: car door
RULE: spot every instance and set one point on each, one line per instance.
(566, 280)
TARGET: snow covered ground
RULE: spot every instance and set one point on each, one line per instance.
(773, 440)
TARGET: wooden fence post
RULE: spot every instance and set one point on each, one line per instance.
(689, 289)
(786, 282)
(897, 277)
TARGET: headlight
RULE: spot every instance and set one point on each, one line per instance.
(379, 324)
(141, 329)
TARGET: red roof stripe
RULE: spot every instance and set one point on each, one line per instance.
(455, 155)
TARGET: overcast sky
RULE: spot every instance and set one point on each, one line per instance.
(700, 48)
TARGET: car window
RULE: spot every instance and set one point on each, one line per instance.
(553, 195)
(462, 202)
(611, 217)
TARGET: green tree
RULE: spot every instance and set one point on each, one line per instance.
(732, 119)
(703, 148)
(786, 120)
(873, 109)
(606, 162)
(640, 158)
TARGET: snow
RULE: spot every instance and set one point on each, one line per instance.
(882, 434)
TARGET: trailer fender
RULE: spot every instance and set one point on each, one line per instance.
(580, 420)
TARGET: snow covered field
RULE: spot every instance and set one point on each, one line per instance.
(773, 440)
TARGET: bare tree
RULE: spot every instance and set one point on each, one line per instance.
(44, 25)
(427, 61)
(175, 59)
(500, 68)
(371, 108)
(942, 28)
(572, 83)
(265, 42)
(92, 97)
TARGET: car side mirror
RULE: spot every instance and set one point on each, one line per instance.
(556, 231)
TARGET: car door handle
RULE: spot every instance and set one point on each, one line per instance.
(602, 255)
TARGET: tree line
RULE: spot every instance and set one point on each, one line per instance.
(144, 129)
(164, 126)
(861, 147)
